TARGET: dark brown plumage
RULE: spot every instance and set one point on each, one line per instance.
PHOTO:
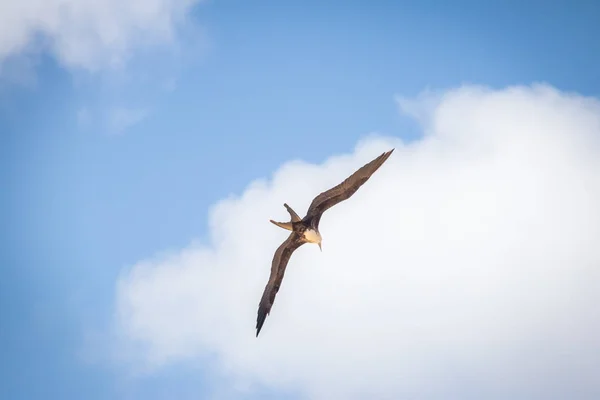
(306, 230)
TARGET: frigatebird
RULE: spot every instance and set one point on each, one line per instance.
(306, 230)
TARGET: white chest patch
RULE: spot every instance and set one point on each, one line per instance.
(312, 236)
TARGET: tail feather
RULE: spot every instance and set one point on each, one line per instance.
(284, 225)
(295, 217)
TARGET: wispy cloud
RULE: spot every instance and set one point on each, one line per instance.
(84, 118)
(89, 34)
(122, 118)
(467, 267)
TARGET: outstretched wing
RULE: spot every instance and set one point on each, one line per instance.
(280, 261)
(345, 189)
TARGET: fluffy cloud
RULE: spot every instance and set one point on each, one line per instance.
(88, 33)
(467, 267)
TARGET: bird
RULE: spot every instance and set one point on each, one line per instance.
(306, 230)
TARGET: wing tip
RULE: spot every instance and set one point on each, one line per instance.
(259, 325)
(382, 158)
(261, 318)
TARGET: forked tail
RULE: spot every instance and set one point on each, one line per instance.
(288, 225)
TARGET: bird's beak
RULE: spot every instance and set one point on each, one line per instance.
(320, 248)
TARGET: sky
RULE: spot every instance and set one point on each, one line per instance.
(144, 145)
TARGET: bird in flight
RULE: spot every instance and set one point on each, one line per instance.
(306, 230)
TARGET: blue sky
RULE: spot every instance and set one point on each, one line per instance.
(254, 85)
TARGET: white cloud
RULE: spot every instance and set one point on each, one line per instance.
(90, 34)
(467, 267)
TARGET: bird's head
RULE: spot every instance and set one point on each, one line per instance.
(313, 236)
